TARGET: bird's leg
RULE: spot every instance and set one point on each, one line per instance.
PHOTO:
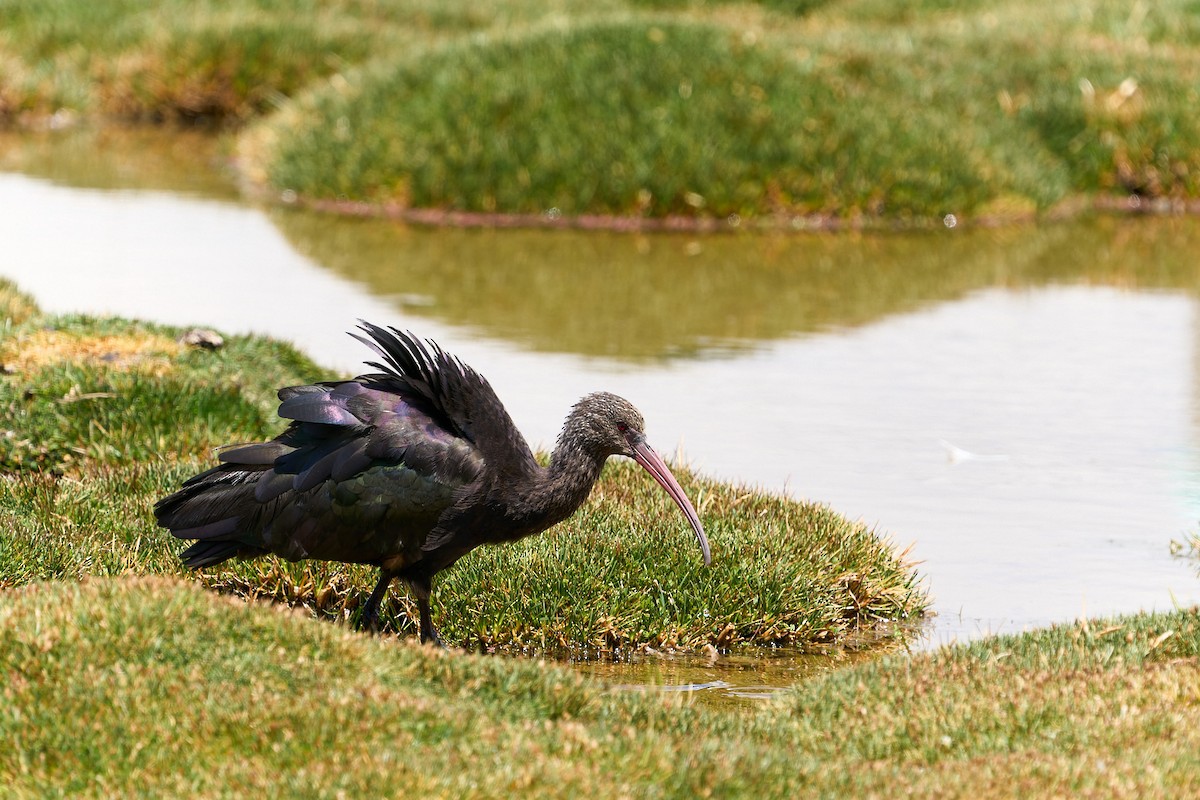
(370, 615)
(423, 589)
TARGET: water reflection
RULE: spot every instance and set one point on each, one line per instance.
(644, 297)
(180, 160)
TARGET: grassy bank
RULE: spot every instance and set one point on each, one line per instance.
(102, 417)
(121, 675)
(649, 110)
(153, 687)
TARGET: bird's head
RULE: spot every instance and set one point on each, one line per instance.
(610, 426)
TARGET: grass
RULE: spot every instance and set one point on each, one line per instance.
(104, 416)
(152, 687)
(1187, 547)
(645, 109)
(973, 111)
(226, 59)
(701, 111)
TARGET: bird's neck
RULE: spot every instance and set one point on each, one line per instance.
(568, 480)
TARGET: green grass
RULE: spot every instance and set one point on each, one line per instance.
(855, 110)
(151, 687)
(104, 416)
(974, 111)
(224, 59)
(644, 110)
(663, 119)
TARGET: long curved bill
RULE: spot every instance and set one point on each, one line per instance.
(652, 462)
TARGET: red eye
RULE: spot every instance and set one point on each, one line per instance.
(622, 427)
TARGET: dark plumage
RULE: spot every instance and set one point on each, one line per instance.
(408, 469)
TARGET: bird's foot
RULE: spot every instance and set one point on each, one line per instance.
(369, 620)
(430, 637)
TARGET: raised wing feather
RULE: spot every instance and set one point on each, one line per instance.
(457, 398)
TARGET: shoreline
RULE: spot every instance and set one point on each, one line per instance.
(1068, 209)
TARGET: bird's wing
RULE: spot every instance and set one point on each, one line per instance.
(455, 396)
(359, 475)
(341, 429)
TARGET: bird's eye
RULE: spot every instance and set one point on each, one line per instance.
(622, 427)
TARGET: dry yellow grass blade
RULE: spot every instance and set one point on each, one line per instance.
(144, 352)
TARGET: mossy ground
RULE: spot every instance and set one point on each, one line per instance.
(153, 687)
(753, 115)
(754, 112)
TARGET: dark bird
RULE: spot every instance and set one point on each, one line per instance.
(408, 469)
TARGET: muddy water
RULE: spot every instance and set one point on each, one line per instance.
(728, 680)
(1019, 406)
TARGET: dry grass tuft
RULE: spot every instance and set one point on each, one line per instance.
(148, 353)
(16, 307)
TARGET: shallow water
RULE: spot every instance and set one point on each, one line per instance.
(1019, 406)
(726, 680)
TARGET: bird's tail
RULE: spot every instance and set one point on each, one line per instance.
(218, 509)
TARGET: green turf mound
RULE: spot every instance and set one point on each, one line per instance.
(630, 118)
